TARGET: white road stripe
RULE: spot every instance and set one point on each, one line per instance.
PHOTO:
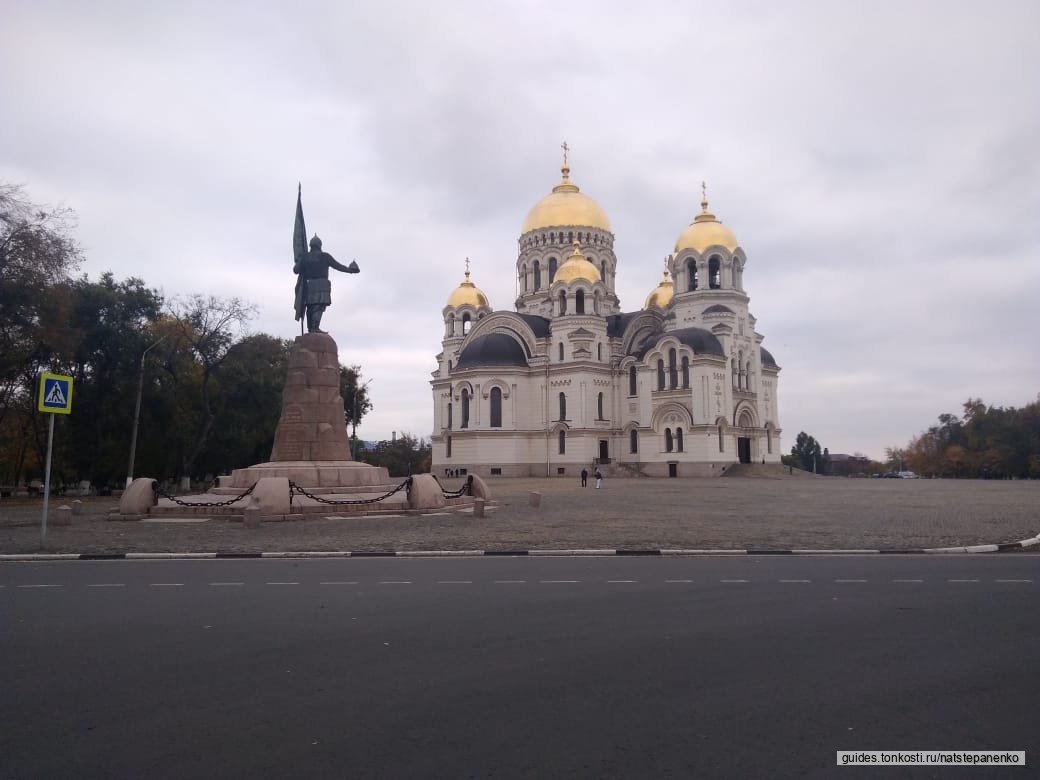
(558, 582)
(510, 582)
(283, 583)
(850, 580)
(454, 582)
(795, 580)
(1012, 580)
(395, 582)
(678, 581)
(165, 584)
(962, 580)
(217, 584)
(734, 580)
(353, 582)
(41, 586)
(106, 585)
(907, 580)
(621, 581)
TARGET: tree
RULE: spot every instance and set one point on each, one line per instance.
(807, 453)
(402, 456)
(356, 402)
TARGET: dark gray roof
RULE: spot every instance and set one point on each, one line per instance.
(699, 340)
(494, 349)
(540, 325)
(616, 323)
(767, 358)
(718, 308)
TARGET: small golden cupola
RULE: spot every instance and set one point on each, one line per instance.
(467, 293)
(661, 295)
(706, 231)
(577, 267)
(566, 206)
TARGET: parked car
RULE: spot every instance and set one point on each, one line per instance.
(907, 475)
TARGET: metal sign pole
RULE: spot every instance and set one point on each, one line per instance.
(47, 482)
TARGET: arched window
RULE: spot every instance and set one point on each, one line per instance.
(667, 439)
(537, 275)
(769, 441)
(465, 409)
(561, 351)
(633, 441)
(496, 407)
(736, 372)
(685, 372)
(449, 365)
(599, 352)
(563, 302)
(660, 375)
(563, 406)
(466, 322)
(447, 447)
(599, 407)
(722, 442)
(691, 274)
(449, 414)
(523, 277)
(563, 442)
(603, 270)
(747, 376)
(631, 380)
(741, 380)
(714, 273)
(678, 439)
(673, 374)
(552, 269)
(570, 237)
(579, 302)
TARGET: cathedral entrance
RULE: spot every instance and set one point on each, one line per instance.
(744, 449)
(604, 454)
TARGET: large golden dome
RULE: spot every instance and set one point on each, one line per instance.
(662, 294)
(467, 293)
(577, 267)
(566, 206)
(705, 231)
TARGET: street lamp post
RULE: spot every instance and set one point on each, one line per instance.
(357, 392)
(137, 413)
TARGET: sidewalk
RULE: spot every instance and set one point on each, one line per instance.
(633, 514)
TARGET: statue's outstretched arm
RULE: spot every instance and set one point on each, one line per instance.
(347, 269)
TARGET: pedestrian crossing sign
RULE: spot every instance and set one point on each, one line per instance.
(55, 394)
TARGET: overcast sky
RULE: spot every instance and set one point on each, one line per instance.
(879, 163)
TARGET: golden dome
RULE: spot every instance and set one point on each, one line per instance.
(576, 267)
(566, 206)
(467, 293)
(662, 294)
(706, 231)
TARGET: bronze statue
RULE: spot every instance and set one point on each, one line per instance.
(313, 288)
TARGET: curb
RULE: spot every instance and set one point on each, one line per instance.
(131, 556)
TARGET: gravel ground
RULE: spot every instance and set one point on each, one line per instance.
(721, 513)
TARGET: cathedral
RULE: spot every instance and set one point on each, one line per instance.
(682, 387)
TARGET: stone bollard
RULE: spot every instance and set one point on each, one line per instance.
(478, 507)
(62, 515)
(77, 507)
(251, 517)
(535, 499)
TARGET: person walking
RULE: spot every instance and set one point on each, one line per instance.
(584, 477)
(599, 479)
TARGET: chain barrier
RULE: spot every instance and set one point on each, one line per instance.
(465, 490)
(295, 489)
(163, 494)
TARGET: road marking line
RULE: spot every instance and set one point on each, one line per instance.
(353, 582)
(962, 580)
(41, 586)
(510, 582)
(217, 584)
(395, 582)
(283, 583)
(907, 580)
(678, 581)
(454, 582)
(734, 580)
(1012, 580)
(558, 582)
(621, 581)
(795, 580)
(165, 584)
(850, 580)
(106, 585)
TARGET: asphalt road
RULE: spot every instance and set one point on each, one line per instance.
(514, 667)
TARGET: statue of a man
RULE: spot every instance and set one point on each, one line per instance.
(313, 288)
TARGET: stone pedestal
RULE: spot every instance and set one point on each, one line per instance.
(312, 426)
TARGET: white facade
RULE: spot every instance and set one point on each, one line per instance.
(682, 387)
